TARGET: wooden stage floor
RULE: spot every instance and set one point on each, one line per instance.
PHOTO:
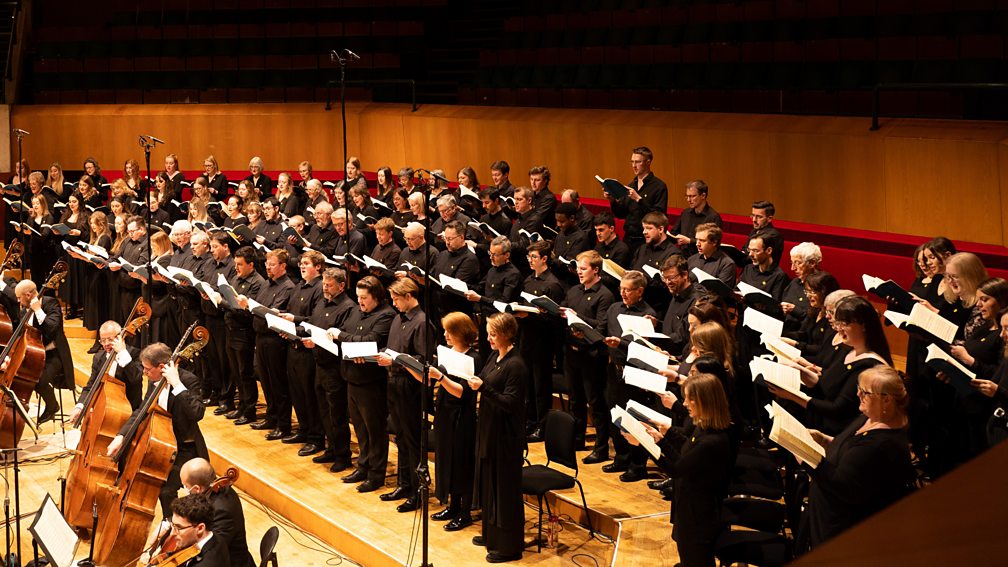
(278, 485)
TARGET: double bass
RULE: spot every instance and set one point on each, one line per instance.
(145, 459)
(105, 410)
(27, 361)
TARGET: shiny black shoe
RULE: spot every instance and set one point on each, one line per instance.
(667, 494)
(660, 484)
(615, 467)
(369, 486)
(411, 503)
(244, 420)
(495, 557)
(295, 438)
(356, 476)
(536, 436)
(324, 457)
(276, 434)
(633, 475)
(398, 494)
(234, 414)
(458, 524)
(211, 401)
(478, 540)
(443, 515)
(339, 466)
(224, 409)
(309, 449)
(263, 424)
(596, 456)
(46, 416)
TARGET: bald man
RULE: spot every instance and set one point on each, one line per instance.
(127, 368)
(228, 521)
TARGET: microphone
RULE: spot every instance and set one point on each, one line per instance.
(333, 55)
(21, 132)
(351, 54)
(156, 140)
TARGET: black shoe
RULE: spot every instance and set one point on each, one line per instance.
(276, 434)
(596, 456)
(46, 416)
(295, 438)
(660, 484)
(536, 436)
(398, 494)
(495, 557)
(656, 484)
(478, 540)
(633, 475)
(443, 515)
(356, 476)
(224, 409)
(615, 467)
(210, 401)
(369, 486)
(95, 348)
(339, 466)
(458, 524)
(325, 457)
(309, 449)
(411, 503)
(263, 424)
(244, 420)
(234, 414)
(579, 443)
(667, 494)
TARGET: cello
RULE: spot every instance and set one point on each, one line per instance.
(145, 459)
(105, 410)
(27, 361)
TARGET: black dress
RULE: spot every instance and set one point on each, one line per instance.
(455, 439)
(500, 445)
(834, 400)
(40, 250)
(861, 474)
(163, 324)
(74, 290)
(96, 296)
(700, 462)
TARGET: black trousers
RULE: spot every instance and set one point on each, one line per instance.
(585, 370)
(301, 373)
(537, 352)
(271, 366)
(44, 387)
(241, 360)
(369, 414)
(216, 373)
(331, 393)
(404, 408)
(617, 394)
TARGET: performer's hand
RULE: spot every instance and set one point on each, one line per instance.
(171, 374)
(74, 413)
(288, 317)
(633, 194)
(986, 387)
(384, 359)
(472, 295)
(400, 274)
(612, 342)
(114, 446)
(630, 439)
(115, 267)
(786, 307)
(682, 240)
(475, 382)
(820, 437)
(242, 301)
(668, 399)
(656, 434)
(5, 364)
(118, 344)
(36, 303)
(308, 343)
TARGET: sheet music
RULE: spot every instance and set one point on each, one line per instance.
(321, 338)
(640, 325)
(784, 377)
(648, 412)
(644, 380)
(629, 423)
(647, 356)
(746, 289)
(781, 348)
(452, 283)
(281, 325)
(761, 323)
(54, 535)
(790, 434)
(360, 350)
(456, 363)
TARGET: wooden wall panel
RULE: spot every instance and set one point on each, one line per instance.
(828, 179)
(934, 184)
(913, 176)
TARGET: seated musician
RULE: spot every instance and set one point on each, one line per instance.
(191, 517)
(228, 520)
(47, 317)
(127, 366)
(182, 400)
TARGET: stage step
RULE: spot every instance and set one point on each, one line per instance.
(74, 329)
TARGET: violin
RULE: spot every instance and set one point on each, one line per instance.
(223, 482)
(168, 555)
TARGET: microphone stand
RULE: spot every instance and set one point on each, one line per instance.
(423, 469)
(147, 143)
(342, 59)
(11, 558)
(21, 190)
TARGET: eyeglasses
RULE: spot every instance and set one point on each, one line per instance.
(179, 528)
(862, 393)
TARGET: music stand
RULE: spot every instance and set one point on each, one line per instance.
(54, 535)
(6, 459)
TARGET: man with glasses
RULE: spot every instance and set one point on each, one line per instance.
(227, 517)
(697, 212)
(646, 194)
(180, 398)
(126, 368)
(502, 281)
(134, 251)
(539, 334)
(675, 324)
(191, 519)
(268, 231)
(416, 253)
(458, 262)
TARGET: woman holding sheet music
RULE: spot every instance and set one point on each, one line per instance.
(96, 296)
(834, 399)
(72, 293)
(867, 465)
(164, 324)
(996, 386)
(699, 457)
(38, 240)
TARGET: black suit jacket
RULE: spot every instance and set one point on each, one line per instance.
(131, 375)
(228, 525)
(51, 329)
(213, 554)
(186, 410)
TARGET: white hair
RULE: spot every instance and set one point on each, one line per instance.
(806, 252)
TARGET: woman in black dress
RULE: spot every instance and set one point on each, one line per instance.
(833, 390)
(74, 290)
(290, 203)
(175, 176)
(96, 302)
(814, 325)
(164, 325)
(385, 185)
(90, 196)
(93, 170)
(353, 177)
(455, 428)
(500, 443)
(40, 245)
(867, 465)
(995, 386)
(234, 215)
(217, 183)
(699, 457)
(260, 182)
